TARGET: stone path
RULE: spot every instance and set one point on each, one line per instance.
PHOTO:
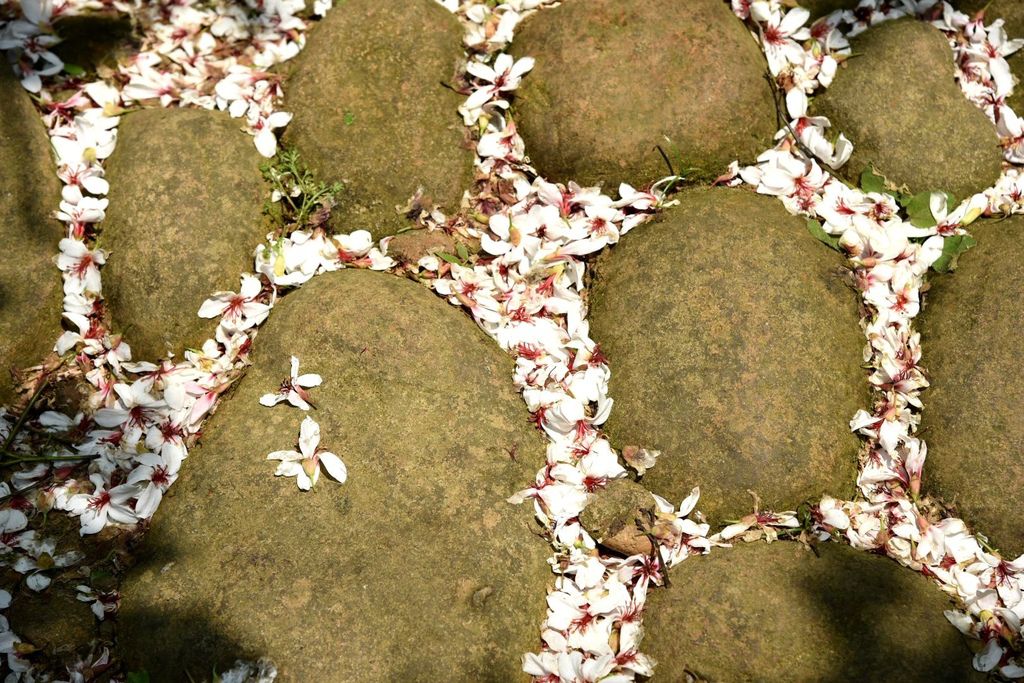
(734, 335)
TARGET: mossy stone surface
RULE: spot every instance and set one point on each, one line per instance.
(94, 38)
(186, 198)
(974, 410)
(735, 349)
(819, 8)
(900, 106)
(613, 79)
(778, 614)
(30, 284)
(371, 110)
(415, 569)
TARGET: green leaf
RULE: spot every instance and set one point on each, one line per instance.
(814, 227)
(445, 256)
(73, 69)
(952, 247)
(349, 118)
(137, 677)
(463, 252)
(871, 181)
(919, 210)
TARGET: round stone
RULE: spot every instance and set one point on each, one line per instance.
(819, 8)
(614, 80)
(185, 214)
(898, 103)
(94, 38)
(735, 349)
(416, 568)
(30, 284)
(973, 419)
(779, 614)
(379, 120)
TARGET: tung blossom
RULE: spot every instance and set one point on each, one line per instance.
(293, 389)
(504, 76)
(239, 311)
(305, 463)
(103, 505)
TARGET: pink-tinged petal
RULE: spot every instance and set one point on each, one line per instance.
(503, 63)
(296, 400)
(479, 98)
(271, 400)
(92, 521)
(251, 286)
(279, 119)
(122, 514)
(334, 466)
(521, 67)
(794, 19)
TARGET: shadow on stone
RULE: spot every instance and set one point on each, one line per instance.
(866, 620)
(196, 648)
(779, 614)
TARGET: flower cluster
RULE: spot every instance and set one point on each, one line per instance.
(525, 291)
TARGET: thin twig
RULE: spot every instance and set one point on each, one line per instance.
(24, 415)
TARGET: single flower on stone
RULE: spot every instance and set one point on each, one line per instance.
(239, 311)
(293, 389)
(305, 463)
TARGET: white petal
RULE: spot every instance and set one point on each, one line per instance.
(334, 466)
(309, 437)
(266, 142)
(270, 400)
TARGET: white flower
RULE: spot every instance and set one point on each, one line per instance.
(779, 35)
(153, 477)
(504, 76)
(81, 266)
(95, 509)
(239, 311)
(41, 555)
(101, 603)
(293, 389)
(263, 128)
(305, 463)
